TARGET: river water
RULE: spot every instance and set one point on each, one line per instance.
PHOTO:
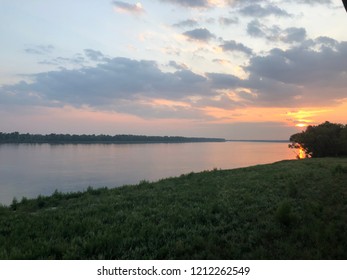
(27, 170)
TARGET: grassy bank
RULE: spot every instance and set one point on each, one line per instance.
(286, 210)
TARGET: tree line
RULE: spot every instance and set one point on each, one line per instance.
(16, 137)
(324, 140)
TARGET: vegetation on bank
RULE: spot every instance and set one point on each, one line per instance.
(16, 137)
(285, 210)
(324, 140)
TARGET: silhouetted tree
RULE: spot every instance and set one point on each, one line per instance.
(324, 140)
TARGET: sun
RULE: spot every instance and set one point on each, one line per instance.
(301, 125)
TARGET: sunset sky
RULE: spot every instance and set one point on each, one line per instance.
(237, 69)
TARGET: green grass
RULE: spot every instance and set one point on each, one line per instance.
(286, 210)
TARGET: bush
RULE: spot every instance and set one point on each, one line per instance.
(14, 204)
(284, 214)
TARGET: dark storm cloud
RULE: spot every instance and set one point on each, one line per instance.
(258, 11)
(235, 46)
(199, 34)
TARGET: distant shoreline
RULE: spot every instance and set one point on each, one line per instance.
(113, 142)
(259, 141)
(26, 138)
(18, 138)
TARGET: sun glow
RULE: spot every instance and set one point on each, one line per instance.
(302, 153)
(303, 118)
(301, 125)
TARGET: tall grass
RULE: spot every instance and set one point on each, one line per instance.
(286, 210)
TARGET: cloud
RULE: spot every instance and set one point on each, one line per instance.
(190, 3)
(326, 41)
(267, 92)
(199, 34)
(222, 61)
(228, 20)
(105, 84)
(294, 34)
(124, 7)
(234, 46)
(159, 109)
(94, 55)
(224, 81)
(302, 65)
(258, 11)
(309, 73)
(269, 3)
(275, 33)
(242, 2)
(178, 66)
(40, 49)
(313, 2)
(257, 29)
(76, 60)
(315, 72)
(89, 56)
(186, 23)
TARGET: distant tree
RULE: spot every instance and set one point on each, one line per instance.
(324, 140)
(16, 137)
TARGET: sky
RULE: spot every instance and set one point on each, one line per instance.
(236, 69)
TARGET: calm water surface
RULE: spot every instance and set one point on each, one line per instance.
(32, 169)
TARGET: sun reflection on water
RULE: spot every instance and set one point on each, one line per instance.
(301, 154)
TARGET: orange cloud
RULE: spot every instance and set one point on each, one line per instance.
(169, 103)
(305, 117)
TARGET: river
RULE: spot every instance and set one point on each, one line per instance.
(27, 170)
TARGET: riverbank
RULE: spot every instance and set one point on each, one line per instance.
(286, 210)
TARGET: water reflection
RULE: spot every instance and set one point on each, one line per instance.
(30, 170)
(301, 154)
